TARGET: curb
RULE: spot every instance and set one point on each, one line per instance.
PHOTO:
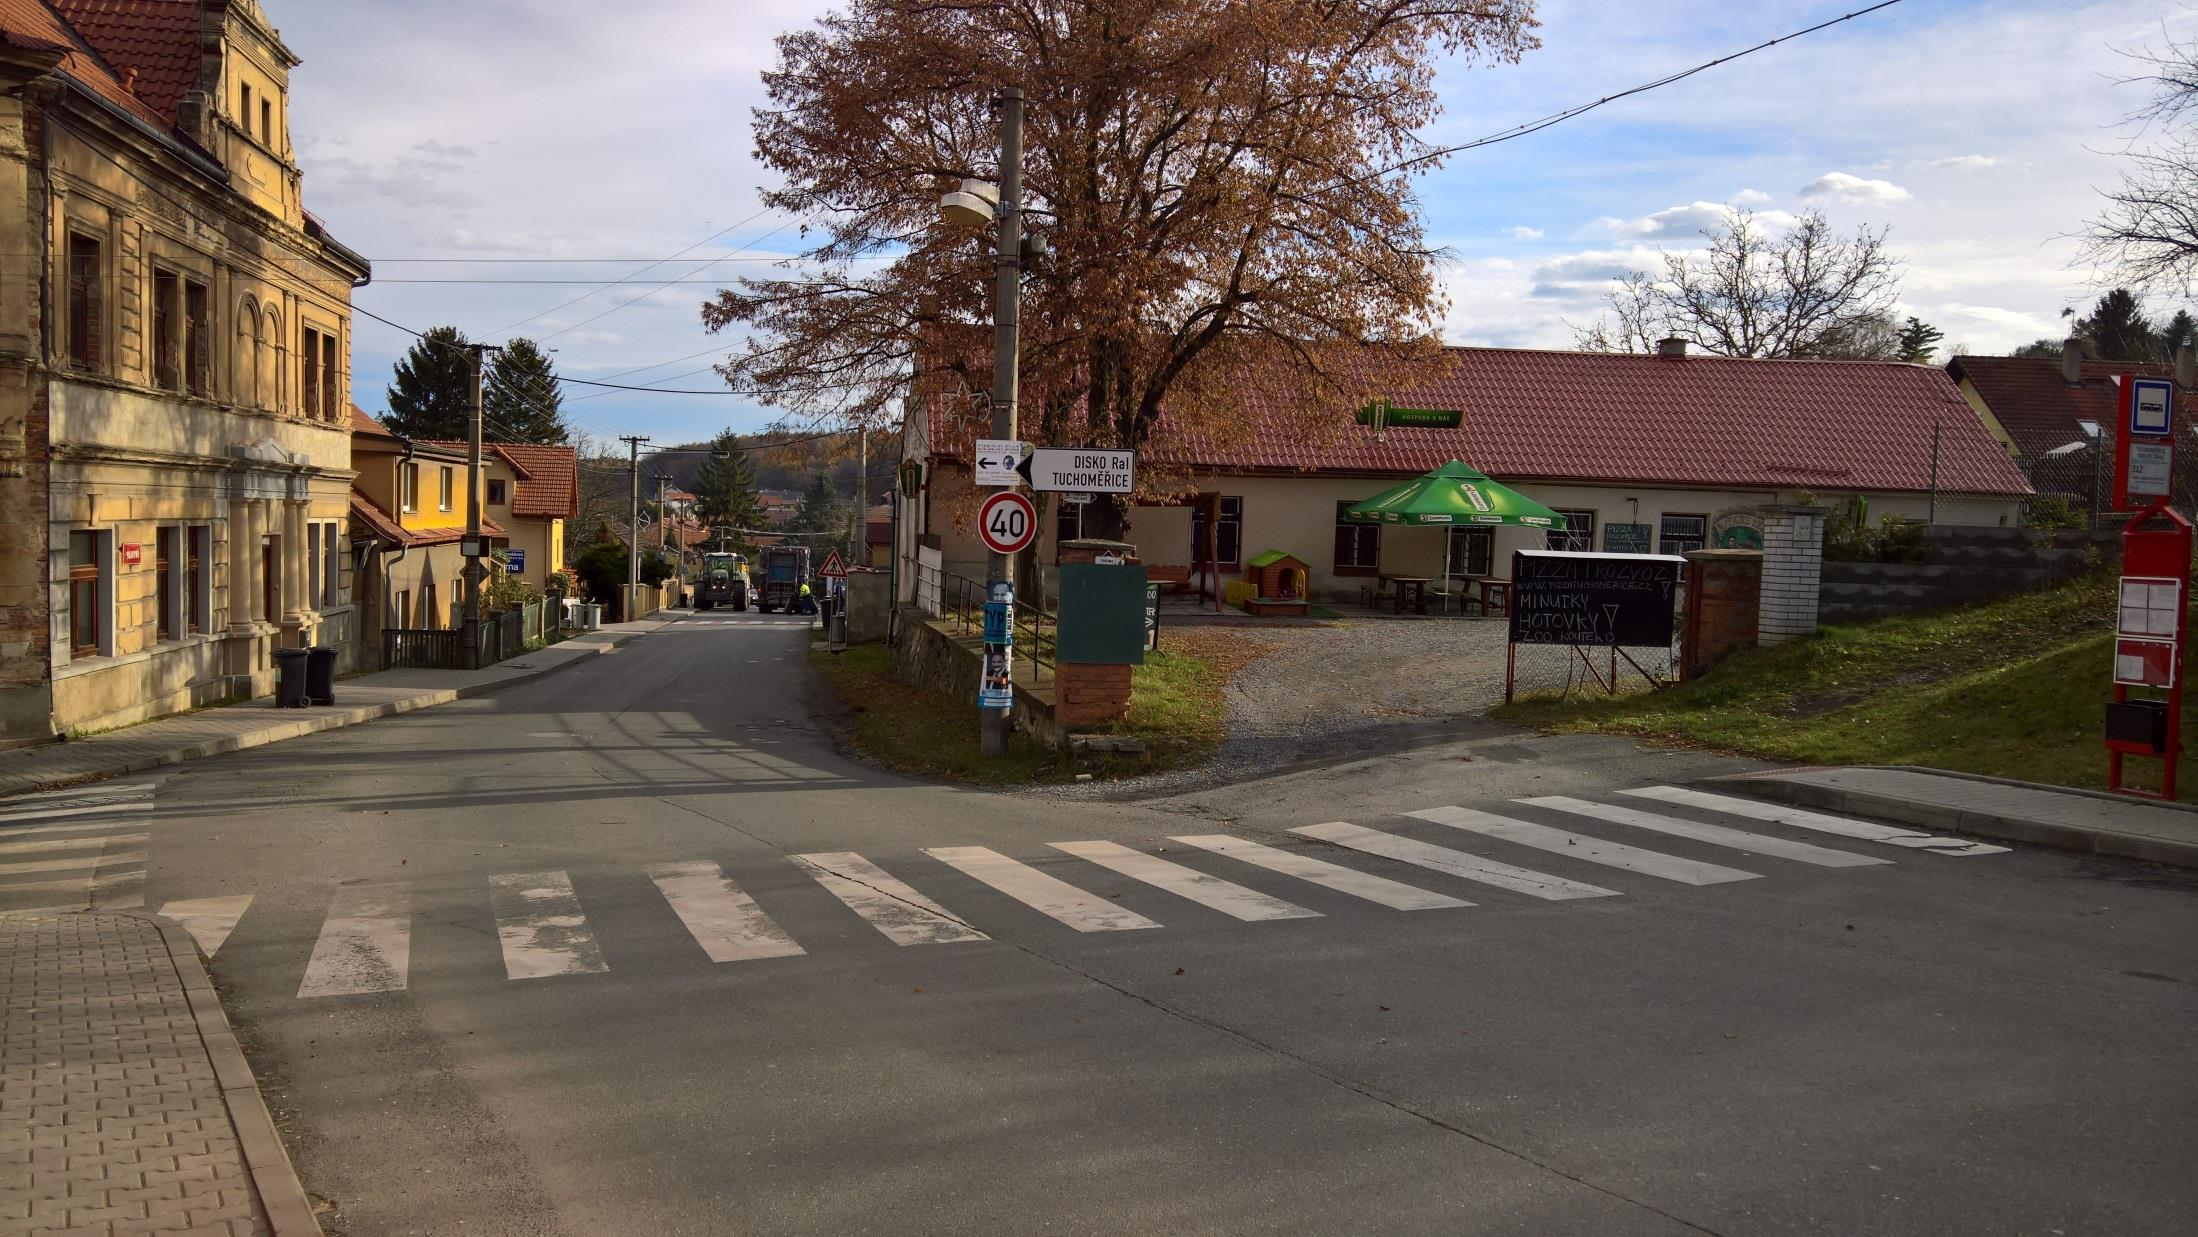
(2082, 792)
(335, 720)
(1994, 825)
(282, 1196)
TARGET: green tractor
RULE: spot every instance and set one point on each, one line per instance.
(724, 582)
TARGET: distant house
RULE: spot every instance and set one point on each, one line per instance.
(408, 515)
(877, 535)
(778, 506)
(1661, 452)
(2056, 416)
(530, 490)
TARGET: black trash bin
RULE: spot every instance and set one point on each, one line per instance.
(320, 675)
(290, 683)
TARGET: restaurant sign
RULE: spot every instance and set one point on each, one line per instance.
(1389, 416)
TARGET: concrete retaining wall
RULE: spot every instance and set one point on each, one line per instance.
(927, 657)
(1962, 565)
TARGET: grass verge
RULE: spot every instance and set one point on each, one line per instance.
(1178, 709)
(2010, 688)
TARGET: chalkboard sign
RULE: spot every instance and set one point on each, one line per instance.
(1559, 597)
(1625, 538)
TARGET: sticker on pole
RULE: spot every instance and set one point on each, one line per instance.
(833, 567)
(998, 461)
(1006, 522)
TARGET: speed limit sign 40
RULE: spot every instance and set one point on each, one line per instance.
(1006, 522)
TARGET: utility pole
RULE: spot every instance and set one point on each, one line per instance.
(661, 481)
(633, 519)
(859, 548)
(474, 571)
(1007, 282)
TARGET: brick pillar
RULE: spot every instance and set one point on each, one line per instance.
(1793, 569)
(1724, 590)
(1085, 694)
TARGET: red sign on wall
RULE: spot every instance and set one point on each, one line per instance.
(132, 553)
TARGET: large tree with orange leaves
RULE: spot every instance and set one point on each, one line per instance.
(1226, 188)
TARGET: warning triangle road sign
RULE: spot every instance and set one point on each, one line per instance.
(833, 566)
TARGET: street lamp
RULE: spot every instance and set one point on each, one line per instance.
(975, 205)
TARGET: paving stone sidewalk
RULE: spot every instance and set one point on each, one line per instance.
(2052, 816)
(125, 1104)
(211, 732)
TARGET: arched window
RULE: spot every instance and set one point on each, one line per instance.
(245, 364)
(278, 363)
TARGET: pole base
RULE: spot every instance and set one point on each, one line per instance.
(993, 729)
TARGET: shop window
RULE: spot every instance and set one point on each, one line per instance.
(1578, 534)
(87, 318)
(199, 545)
(198, 339)
(89, 589)
(166, 563)
(497, 492)
(1228, 534)
(1472, 552)
(1678, 534)
(1358, 546)
(444, 488)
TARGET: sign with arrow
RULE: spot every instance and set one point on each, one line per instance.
(999, 461)
(1084, 470)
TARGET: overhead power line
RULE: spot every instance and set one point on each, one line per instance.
(503, 330)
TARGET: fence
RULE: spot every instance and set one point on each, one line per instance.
(960, 602)
(421, 648)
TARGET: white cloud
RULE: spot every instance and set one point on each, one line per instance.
(1847, 187)
(1750, 197)
(1956, 163)
(1693, 219)
(1523, 233)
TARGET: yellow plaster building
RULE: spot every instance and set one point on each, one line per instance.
(175, 340)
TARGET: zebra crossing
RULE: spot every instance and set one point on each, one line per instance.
(75, 849)
(544, 930)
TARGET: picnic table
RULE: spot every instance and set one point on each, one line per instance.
(1417, 585)
(1495, 594)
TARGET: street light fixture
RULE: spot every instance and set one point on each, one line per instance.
(975, 205)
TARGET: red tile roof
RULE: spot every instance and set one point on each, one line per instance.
(2040, 409)
(376, 519)
(158, 38)
(364, 424)
(1621, 419)
(548, 477)
(34, 24)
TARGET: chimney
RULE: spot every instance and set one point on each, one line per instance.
(2186, 366)
(2072, 360)
(129, 80)
(1672, 347)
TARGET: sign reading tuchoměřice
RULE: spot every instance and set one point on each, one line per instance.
(1089, 470)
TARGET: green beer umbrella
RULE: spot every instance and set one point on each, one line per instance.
(1453, 495)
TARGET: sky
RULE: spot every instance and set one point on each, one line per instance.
(1977, 131)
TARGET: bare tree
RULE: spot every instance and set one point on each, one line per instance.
(1805, 293)
(2147, 235)
(1226, 190)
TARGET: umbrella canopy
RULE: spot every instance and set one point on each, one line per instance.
(1454, 494)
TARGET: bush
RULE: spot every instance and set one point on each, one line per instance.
(2052, 511)
(602, 571)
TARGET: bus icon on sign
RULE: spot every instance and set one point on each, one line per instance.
(2152, 408)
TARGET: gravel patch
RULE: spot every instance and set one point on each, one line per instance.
(1340, 691)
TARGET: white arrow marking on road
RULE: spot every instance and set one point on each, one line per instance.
(541, 926)
(365, 943)
(1454, 862)
(720, 915)
(905, 916)
(1082, 911)
(1394, 894)
(1225, 896)
(1716, 835)
(208, 920)
(1581, 846)
(1780, 814)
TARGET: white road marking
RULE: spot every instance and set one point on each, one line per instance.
(79, 884)
(541, 926)
(1394, 894)
(119, 808)
(365, 943)
(905, 916)
(208, 920)
(1225, 896)
(1581, 846)
(105, 827)
(1454, 862)
(27, 848)
(24, 867)
(1716, 835)
(1780, 814)
(720, 915)
(1082, 911)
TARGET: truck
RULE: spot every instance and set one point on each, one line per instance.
(785, 570)
(723, 582)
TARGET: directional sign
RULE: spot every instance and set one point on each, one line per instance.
(998, 459)
(833, 567)
(1088, 470)
(1006, 522)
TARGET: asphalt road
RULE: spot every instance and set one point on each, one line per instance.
(475, 974)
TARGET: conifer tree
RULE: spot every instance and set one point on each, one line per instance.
(725, 485)
(520, 396)
(431, 397)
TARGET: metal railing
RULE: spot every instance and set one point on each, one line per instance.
(961, 603)
(421, 648)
